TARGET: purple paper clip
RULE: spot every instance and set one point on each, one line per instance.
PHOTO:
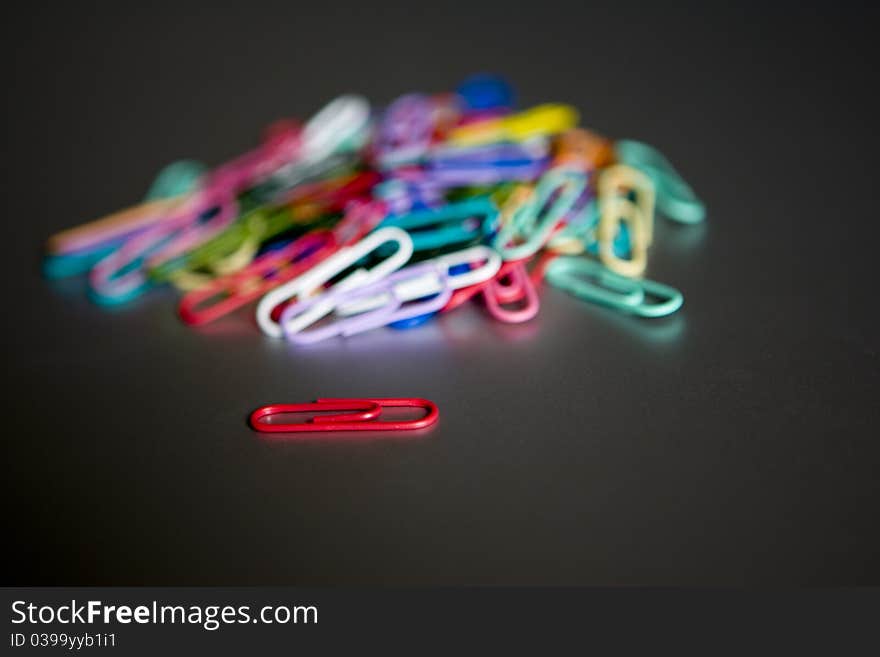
(405, 132)
(487, 165)
(297, 317)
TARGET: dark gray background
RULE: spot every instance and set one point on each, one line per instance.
(734, 443)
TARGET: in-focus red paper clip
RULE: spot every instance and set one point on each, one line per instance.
(362, 415)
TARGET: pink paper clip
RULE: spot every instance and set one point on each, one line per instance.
(513, 287)
(121, 276)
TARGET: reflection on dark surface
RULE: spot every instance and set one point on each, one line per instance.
(344, 437)
(650, 331)
(677, 238)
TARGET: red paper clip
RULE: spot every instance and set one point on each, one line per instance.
(464, 294)
(363, 415)
(333, 195)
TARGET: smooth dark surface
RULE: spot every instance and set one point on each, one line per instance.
(734, 443)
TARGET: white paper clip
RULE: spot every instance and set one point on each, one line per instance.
(424, 286)
(315, 278)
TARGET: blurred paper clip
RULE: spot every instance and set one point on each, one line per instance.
(362, 216)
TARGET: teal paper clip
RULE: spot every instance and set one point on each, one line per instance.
(74, 264)
(589, 280)
(176, 179)
(583, 228)
(621, 244)
(676, 199)
(531, 224)
(454, 223)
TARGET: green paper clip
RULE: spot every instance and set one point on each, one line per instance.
(531, 224)
(232, 249)
(176, 179)
(676, 199)
(589, 280)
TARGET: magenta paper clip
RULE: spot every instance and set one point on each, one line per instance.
(122, 275)
(281, 145)
(297, 317)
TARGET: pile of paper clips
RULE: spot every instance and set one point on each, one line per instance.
(357, 220)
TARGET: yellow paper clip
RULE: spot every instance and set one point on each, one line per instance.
(625, 195)
(540, 121)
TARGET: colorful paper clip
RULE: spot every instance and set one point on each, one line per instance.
(355, 220)
(400, 305)
(450, 224)
(406, 191)
(122, 275)
(340, 126)
(318, 276)
(484, 91)
(225, 294)
(583, 150)
(76, 250)
(532, 223)
(676, 199)
(361, 415)
(540, 121)
(405, 132)
(591, 281)
(511, 297)
(225, 253)
(487, 165)
(614, 212)
(475, 265)
(511, 285)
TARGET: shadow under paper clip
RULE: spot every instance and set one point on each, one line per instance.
(345, 437)
(655, 331)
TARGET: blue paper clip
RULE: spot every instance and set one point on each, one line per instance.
(484, 91)
(455, 223)
(487, 165)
